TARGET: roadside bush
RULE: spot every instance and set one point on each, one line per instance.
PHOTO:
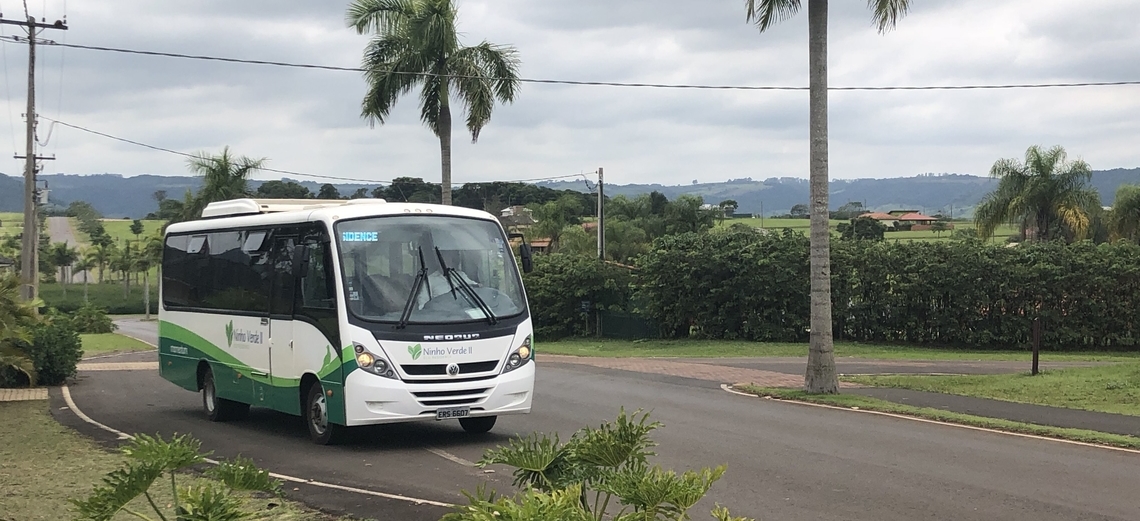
(108, 296)
(91, 319)
(55, 350)
(581, 479)
(560, 283)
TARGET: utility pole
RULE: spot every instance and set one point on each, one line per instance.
(601, 216)
(29, 261)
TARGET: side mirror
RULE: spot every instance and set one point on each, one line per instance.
(527, 258)
(526, 255)
(300, 261)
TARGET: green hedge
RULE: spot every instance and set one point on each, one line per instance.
(559, 285)
(744, 284)
(108, 296)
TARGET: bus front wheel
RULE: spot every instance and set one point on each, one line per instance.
(478, 424)
(219, 409)
(321, 431)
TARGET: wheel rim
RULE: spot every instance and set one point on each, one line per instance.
(210, 398)
(318, 415)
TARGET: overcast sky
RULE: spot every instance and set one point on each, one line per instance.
(309, 120)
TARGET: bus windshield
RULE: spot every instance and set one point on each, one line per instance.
(428, 269)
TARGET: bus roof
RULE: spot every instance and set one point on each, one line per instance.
(237, 213)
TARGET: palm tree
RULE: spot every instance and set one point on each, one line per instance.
(151, 255)
(84, 264)
(416, 43)
(1047, 195)
(821, 376)
(101, 254)
(15, 317)
(1125, 220)
(62, 256)
(224, 177)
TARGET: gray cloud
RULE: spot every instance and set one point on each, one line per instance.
(309, 121)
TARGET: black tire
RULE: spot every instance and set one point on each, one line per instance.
(478, 424)
(316, 418)
(219, 409)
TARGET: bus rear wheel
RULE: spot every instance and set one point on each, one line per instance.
(321, 431)
(219, 409)
(478, 424)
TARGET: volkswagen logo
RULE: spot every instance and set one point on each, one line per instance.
(452, 369)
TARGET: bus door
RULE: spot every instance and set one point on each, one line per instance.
(281, 298)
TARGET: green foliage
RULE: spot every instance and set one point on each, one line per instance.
(283, 190)
(561, 282)
(108, 297)
(91, 319)
(152, 457)
(1124, 220)
(17, 318)
(55, 349)
(241, 474)
(580, 479)
(862, 229)
(735, 283)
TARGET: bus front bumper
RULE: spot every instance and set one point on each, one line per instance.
(371, 399)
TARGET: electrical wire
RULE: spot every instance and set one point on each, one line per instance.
(609, 83)
(277, 170)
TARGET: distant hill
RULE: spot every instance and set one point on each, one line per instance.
(118, 196)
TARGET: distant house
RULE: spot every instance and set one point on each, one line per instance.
(906, 219)
(516, 218)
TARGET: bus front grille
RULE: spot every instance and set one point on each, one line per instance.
(450, 398)
(441, 369)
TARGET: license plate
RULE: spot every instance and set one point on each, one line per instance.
(452, 412)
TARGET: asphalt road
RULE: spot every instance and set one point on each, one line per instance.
(785, 461)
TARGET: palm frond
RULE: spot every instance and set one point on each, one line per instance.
(767, 13)
(382, 16)
(886, 13)
(119, 488)
(242, 474)
(1125, 216)
(15, 359)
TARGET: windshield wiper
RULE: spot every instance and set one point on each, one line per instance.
(465, 288)
(417, 283)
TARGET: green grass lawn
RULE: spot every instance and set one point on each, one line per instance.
(1112, 388)
(43, 465)
(11, 223)
(730, 349)
(102, 343)
(851, 401)
(120, 229)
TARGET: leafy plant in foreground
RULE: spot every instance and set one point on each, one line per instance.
(582, 478)
(150, 458)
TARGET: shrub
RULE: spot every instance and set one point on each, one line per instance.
(108, 296)
(55, 350)
(560, 283)
(579, 480)
(91, 319)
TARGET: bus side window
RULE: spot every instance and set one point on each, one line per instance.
(316, 287)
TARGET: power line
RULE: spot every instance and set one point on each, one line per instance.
(602, 83)
(276, 170)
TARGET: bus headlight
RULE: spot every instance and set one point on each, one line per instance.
(519, 357)
(372, 363)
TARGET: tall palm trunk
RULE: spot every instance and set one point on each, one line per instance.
(821, 376)
(445, 147)
(85, 273)
(146, 293)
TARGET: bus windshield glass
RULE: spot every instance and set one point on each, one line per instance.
(428, 270)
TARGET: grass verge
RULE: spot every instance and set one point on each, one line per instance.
(1111, 388)
(103, 343)
(730, 349)
(43, 465)
(850, 401)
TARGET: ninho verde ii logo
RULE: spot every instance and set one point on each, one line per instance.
(438, 352)
(242, 336)
(230, 334)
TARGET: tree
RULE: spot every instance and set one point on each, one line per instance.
(224, 177)
(416, 43)
(283, 190)
(862, 229)
(84, 264)
(360, 193)
(938, 227)
(800, 211)
(137, 228)
(821, 376)
(328, 191)
(16, 317)
(62, 256)
(727, 208)
(1125, 216)
(1047, 195)
(101, 254)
